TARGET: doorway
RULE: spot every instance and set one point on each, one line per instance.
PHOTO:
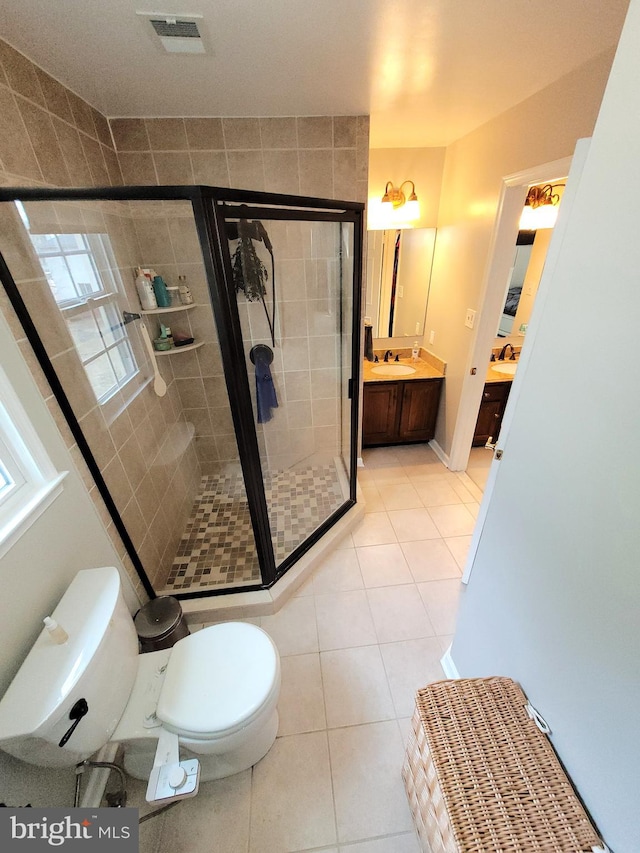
(530, 254)
(497, 276)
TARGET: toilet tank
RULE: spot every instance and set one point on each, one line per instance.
(97, 664)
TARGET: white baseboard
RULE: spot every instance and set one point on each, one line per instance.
(447, 664)
(442, 456)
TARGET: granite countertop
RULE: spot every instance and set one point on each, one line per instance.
(432, 369)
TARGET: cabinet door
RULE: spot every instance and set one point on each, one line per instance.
(420, 399)
(380, 411)
(494, 401)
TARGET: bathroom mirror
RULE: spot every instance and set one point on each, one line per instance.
(398, 277)
(528, 265)
(524, 244)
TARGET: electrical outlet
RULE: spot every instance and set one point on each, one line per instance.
(432, 336)
(470, 318)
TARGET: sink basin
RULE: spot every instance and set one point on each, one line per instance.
(508, 368)
(393, 369)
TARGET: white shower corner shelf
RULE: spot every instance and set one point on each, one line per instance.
(186, 348)
(170, 310)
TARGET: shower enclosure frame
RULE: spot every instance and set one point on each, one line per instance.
(212, 207)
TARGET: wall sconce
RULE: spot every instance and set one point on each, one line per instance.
(541, 208)
(396, 205)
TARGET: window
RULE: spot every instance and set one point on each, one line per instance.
(28, 480)
(81, 272)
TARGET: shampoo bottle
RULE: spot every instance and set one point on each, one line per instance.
(145, 292)
(162, 294)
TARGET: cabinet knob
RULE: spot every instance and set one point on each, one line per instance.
(486, 395)
(496, 415)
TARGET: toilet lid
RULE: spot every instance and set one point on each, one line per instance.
(218, 678)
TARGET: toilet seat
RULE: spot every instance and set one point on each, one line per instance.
(218, 680)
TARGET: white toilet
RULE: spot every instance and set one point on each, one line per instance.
(217, 689)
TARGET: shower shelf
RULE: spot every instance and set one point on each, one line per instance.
(170, 309)
(185, 348)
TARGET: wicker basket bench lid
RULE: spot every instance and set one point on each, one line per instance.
(502, 784)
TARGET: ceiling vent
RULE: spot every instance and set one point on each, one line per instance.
(177, 34)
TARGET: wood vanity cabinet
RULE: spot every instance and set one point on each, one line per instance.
(494, 401)
(399, 412)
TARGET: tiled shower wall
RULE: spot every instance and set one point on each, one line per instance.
(139, 440)
(51, 137)
(322, 156)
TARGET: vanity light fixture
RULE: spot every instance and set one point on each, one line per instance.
(396, 205)
(541, 208)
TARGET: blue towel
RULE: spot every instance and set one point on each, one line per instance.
(266, 398)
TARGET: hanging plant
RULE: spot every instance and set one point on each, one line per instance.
(249, 273)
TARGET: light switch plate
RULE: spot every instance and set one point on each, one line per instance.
(470, 318)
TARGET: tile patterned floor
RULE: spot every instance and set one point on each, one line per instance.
(363, 633)
(218, 548)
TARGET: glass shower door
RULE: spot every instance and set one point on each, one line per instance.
(220, 459)
(293, 282)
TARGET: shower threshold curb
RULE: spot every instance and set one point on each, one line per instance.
(266, 602)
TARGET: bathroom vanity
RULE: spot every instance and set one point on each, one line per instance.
(492, 406)
(400, 409)
(497, 385)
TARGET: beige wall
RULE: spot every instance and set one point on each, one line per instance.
(541, 129)
(423, 166)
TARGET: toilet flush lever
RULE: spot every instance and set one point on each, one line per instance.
(79, 710)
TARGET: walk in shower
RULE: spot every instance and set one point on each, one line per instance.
(220, 428)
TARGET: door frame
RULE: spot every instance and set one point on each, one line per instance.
(496, 279)
(512, 197)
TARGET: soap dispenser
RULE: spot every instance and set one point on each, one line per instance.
(415, 352)
(368, 342)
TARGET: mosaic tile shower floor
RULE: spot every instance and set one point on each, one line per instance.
(217, 547)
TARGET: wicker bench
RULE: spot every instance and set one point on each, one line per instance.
(482, 778)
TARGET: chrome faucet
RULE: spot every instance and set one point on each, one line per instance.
(387, 354)
(503, 352)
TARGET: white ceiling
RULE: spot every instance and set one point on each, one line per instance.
(428, 71)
